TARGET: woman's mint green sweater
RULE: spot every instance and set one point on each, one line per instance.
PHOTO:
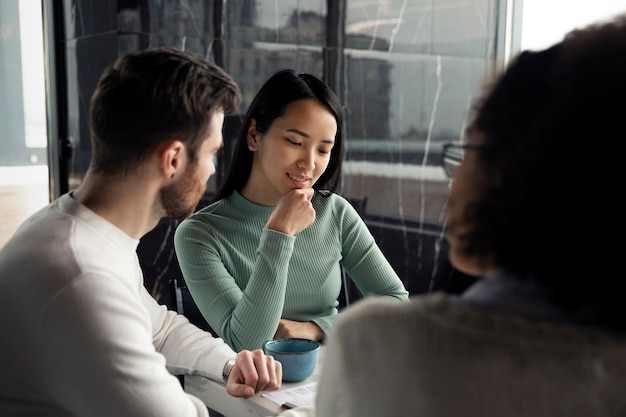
(245, 278)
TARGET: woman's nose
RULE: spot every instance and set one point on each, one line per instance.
(307, 159)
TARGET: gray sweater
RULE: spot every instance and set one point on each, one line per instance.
(440, 356)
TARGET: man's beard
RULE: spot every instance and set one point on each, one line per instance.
(180, 199)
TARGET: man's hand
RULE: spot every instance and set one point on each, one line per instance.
(253, 372)
(301, 330)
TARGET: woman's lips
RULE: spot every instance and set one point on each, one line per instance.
(298, 180)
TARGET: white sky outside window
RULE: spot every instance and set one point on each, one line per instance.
(31, 39)
(24, 189)
(546, 22)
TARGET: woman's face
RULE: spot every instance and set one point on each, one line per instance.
(293, 153)
(466, 189)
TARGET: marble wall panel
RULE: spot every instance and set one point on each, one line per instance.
(406, 72)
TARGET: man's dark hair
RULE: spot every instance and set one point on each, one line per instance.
(152, 96)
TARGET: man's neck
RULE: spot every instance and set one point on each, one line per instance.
(129, 202)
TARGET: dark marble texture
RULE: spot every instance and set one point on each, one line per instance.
(406, 72)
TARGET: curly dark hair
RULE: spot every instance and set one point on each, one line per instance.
(552, 124)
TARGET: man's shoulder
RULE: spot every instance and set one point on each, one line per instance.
(40, 231)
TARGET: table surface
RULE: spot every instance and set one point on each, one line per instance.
(214, 395)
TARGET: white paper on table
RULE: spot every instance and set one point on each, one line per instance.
(293, 397)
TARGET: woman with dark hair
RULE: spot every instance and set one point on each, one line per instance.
(264, 260)
(531, 211)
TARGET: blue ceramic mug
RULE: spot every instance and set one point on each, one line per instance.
(297, 356)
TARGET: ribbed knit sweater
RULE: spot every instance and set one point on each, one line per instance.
(245, 278)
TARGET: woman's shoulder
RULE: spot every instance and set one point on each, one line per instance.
(212, 207)
(328, 196)
(334, 201)
(203, 217)
(226, 207)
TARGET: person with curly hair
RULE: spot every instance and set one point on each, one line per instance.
(531, 212)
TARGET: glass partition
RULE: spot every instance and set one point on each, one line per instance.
(405, 71)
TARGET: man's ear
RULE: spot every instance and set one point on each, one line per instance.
(172, 155)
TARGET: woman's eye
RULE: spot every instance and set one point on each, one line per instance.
(294, 142)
